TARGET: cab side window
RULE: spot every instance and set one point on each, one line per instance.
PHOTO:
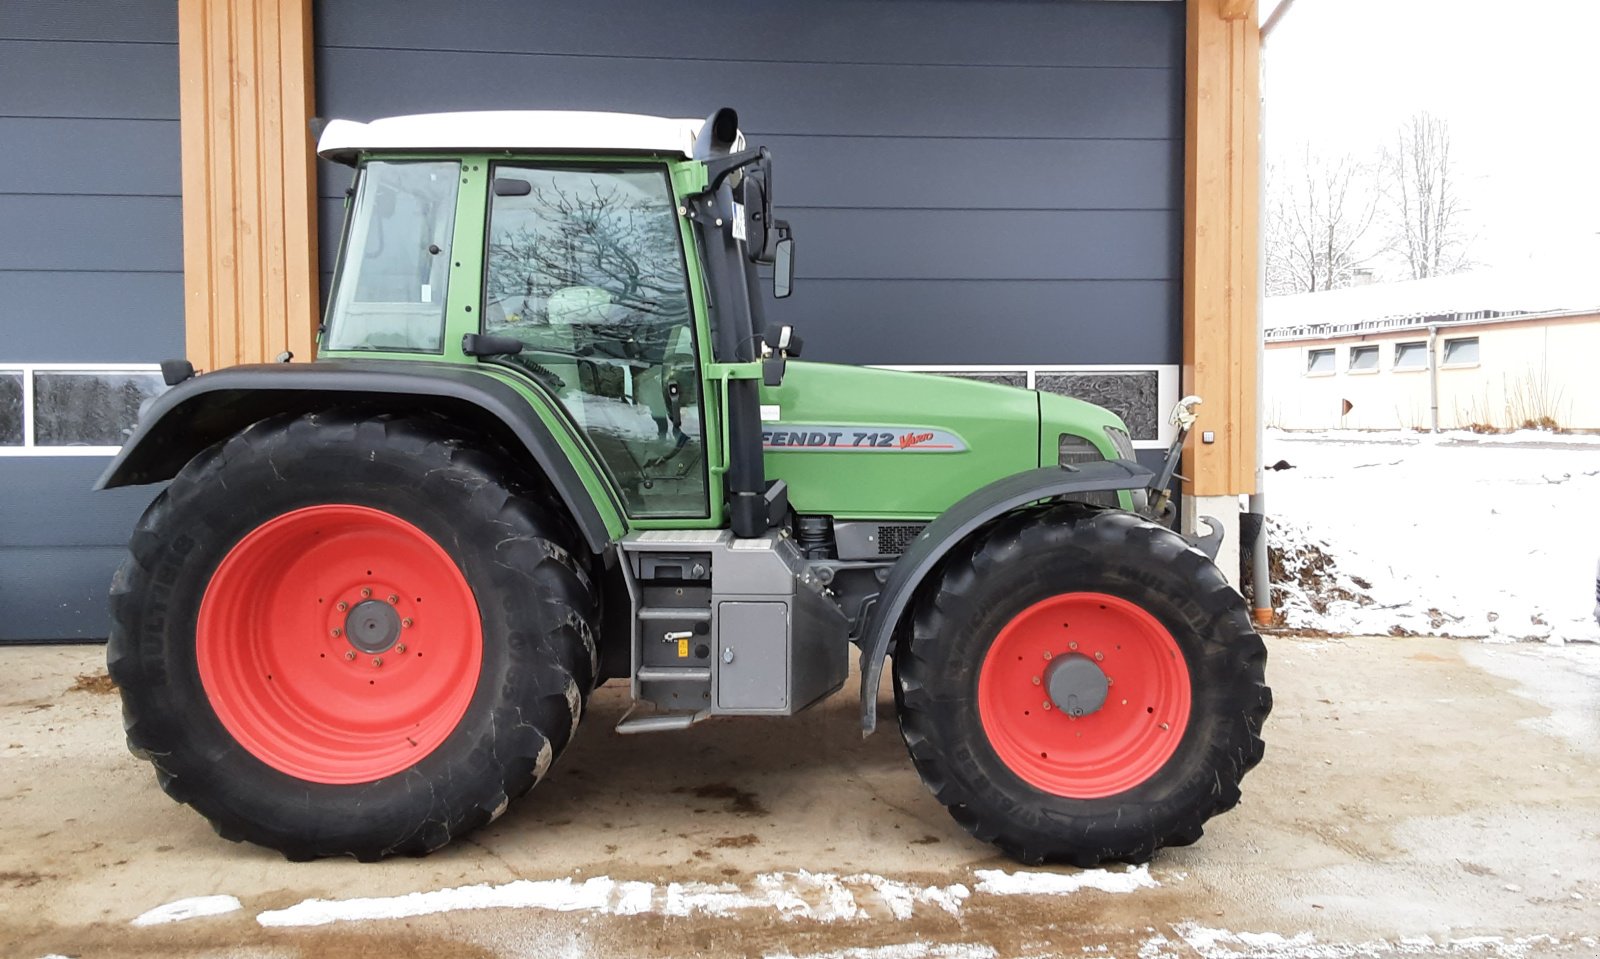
(585, 268)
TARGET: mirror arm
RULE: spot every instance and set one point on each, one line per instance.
(720, 168)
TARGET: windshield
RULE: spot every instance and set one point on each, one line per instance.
(389, 293)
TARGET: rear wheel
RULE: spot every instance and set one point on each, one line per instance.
(1081, 686)
(351, 636)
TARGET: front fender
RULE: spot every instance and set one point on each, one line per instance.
(207, 409)
(952, 527)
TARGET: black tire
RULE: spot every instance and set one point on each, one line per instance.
(504, 532)
(1023, 559)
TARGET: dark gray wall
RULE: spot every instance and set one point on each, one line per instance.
(970, 182)
(91, 272)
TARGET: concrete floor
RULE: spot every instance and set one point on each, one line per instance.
(1419, 797)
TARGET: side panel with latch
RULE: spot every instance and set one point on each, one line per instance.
(729, 626)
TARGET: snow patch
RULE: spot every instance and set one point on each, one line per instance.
(558, 895)
(1194, 939)
(908, 950)
(192, 908)
(1000, 883)
(819, 897)
(1453, 534)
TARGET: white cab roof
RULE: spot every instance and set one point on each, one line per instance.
(528, 131)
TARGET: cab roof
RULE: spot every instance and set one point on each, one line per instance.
(532, 131)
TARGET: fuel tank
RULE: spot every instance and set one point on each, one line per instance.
(861, 443)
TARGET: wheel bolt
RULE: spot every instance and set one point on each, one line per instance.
(394, 600)
(400, 647)
(377, 660)
(349, 655)
(406, 623)
(1036, 680)
(341, 606)
(1099, 656)
(366, 593)
(1165, 726)
(1047, 654)
(337, 631)
(1072, 645)
(1047, 705)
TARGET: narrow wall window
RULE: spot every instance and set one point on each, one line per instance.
(1462, 351)
(58, 409)
(1411, 356)
(1363, 359)
(10, 408)
(1319, 361)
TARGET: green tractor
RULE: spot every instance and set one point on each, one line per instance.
(548, 441)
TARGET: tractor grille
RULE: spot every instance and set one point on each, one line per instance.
(1075, 450)
(894, 540)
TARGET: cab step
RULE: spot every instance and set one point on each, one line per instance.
(658, 722)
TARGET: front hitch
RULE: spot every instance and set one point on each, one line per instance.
(1160, 492)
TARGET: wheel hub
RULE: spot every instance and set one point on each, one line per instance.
(373, 626)
(1076, 685)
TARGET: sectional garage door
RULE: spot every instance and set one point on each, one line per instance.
(988, 188)
(985, 187)
(91, 290)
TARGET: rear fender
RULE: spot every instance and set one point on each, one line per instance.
(204, 410)
(953, 527)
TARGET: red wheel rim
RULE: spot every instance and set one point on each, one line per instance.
(1112, 749)
(338, 644)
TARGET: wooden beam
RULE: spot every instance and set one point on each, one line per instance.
(249, 180)
(1238, 9)
(1222, 169)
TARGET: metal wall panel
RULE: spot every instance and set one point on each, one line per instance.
(945, 163)
(60, 316)
(89, 176)
(824, 31)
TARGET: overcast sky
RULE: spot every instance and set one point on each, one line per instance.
(1519, 83)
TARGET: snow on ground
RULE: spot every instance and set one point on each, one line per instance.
(1454, 534)
(822, 897)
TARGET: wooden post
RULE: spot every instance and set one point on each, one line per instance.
(249, 180)
(1221, 173)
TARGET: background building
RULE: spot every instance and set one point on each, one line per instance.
(1054, 194)
(1497, 350)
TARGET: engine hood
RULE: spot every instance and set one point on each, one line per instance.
(862, 443)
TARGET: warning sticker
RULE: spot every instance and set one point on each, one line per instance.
(809, 437)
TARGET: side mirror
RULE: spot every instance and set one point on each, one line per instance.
(783, 268)
(755, 196)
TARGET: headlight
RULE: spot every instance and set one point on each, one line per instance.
(1121, 441)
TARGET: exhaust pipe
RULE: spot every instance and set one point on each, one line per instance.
(717, 135)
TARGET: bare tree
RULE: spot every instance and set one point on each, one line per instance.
(1425, 207)
(1318, 218)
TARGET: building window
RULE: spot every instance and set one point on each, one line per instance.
(10, 408)
(61, 409)
(1318, 362)
(1462, 351)
(1411, 356)
(1363, 359)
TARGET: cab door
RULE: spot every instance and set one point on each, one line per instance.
(584, 265)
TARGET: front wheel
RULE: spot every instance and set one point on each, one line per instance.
(341, 635)
(1081, 686)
